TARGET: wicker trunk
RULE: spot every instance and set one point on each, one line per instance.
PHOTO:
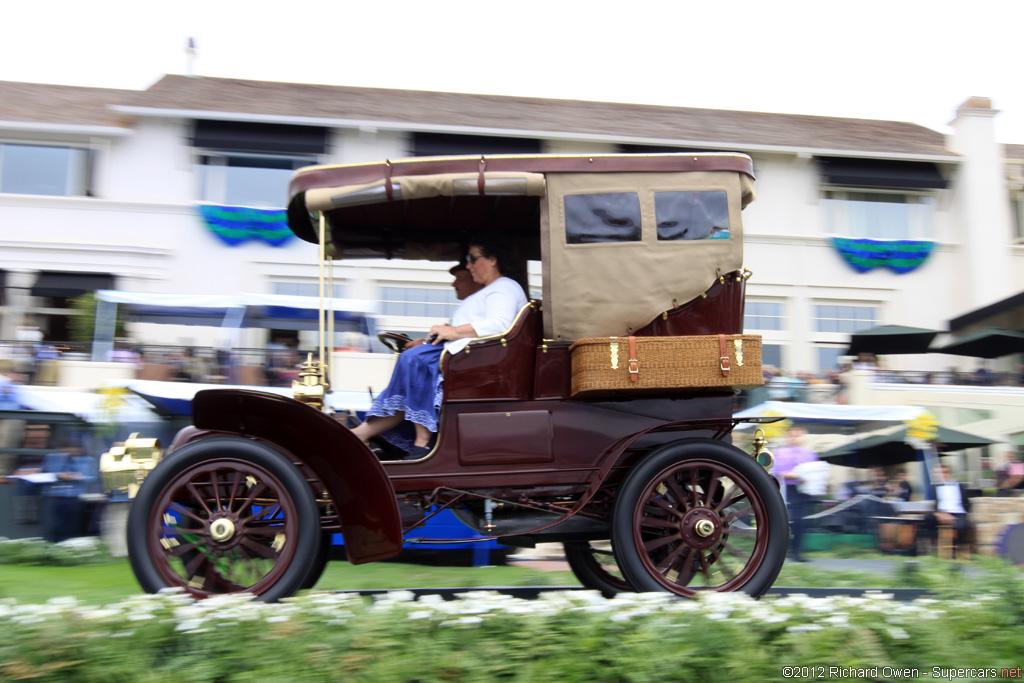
(610, 365)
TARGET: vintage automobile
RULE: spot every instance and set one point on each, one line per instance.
(601, 419)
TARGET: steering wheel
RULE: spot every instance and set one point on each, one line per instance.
(393, 340)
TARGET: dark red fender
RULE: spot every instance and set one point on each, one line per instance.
(352, 475)
(498, 368)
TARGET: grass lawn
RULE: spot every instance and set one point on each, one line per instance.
(106, 583)
(114, 581)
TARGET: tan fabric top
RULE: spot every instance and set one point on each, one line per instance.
(613, 288)
(424, 186)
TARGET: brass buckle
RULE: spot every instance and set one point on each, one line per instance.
(634, 366)
(724, 363)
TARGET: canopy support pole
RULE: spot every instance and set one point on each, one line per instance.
(323, 257)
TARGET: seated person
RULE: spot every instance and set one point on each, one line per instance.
(900, 488)
(414, 394)
(464, 286)
(951, 507)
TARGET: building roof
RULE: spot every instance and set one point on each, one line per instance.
(61, 104)
(468, 113)
(421, 110)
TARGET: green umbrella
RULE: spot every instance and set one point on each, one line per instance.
(992, 342)
(891, 448)
(891, 339)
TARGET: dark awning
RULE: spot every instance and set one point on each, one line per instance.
(910, 175)
(1008, 313)
(448, 144)
(242, 136)
(54, 283)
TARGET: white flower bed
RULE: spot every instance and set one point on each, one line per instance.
(800, 612)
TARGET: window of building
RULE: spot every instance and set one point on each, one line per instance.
(247, 180)
(879, 214)
(418, 301)
(249, 164)
(764, 315)
(44, 170)
(829, 357)
(1017, 209)
(844, 318)
(308, 289)
(694, 215)
(606, 217)
(771, 354)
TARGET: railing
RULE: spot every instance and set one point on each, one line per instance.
(34, 363)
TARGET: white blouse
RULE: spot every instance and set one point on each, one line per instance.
(489, 311)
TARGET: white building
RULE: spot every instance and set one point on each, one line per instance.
(103, 188)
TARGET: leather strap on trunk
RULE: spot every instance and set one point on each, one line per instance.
(634, 364)
(723, 353)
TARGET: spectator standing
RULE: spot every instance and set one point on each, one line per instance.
(952, 506)
(195, 366)
(63, 507)
(787, 460)
(1013, 476)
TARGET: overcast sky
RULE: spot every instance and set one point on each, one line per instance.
(901, 60)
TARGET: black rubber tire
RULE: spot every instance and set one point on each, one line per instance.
(660, 513)
(274, 522)
(323, 556)
(583, 560)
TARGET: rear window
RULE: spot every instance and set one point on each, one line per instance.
(696, 215)
(608, 217)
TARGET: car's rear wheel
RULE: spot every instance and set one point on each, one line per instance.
(699, 515)
(593, 563)
(225, 515)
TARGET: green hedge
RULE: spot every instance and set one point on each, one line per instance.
(574, 636)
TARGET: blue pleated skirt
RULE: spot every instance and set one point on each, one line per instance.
(415, 389)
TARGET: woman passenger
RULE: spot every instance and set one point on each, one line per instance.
(414, 394)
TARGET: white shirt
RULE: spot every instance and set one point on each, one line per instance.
(489, 311)
(949, 499)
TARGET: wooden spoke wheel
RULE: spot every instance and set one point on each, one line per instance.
(593, 563)
(225, 515)
(699, 515)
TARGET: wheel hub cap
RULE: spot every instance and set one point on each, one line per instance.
(222, 530)
(700, 528)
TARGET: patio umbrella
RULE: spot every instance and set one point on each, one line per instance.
(992, 342)
(891, 448)
(891, 339)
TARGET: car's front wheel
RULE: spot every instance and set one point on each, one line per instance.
(224, 515)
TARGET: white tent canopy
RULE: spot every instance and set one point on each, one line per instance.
(277, 311)
(825, 413)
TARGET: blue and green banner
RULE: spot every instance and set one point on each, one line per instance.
(239, 224)
(899, 256)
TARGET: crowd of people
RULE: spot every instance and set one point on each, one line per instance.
(55, 483)
(865, 506)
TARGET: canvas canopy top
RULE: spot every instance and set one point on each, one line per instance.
(658, 228)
